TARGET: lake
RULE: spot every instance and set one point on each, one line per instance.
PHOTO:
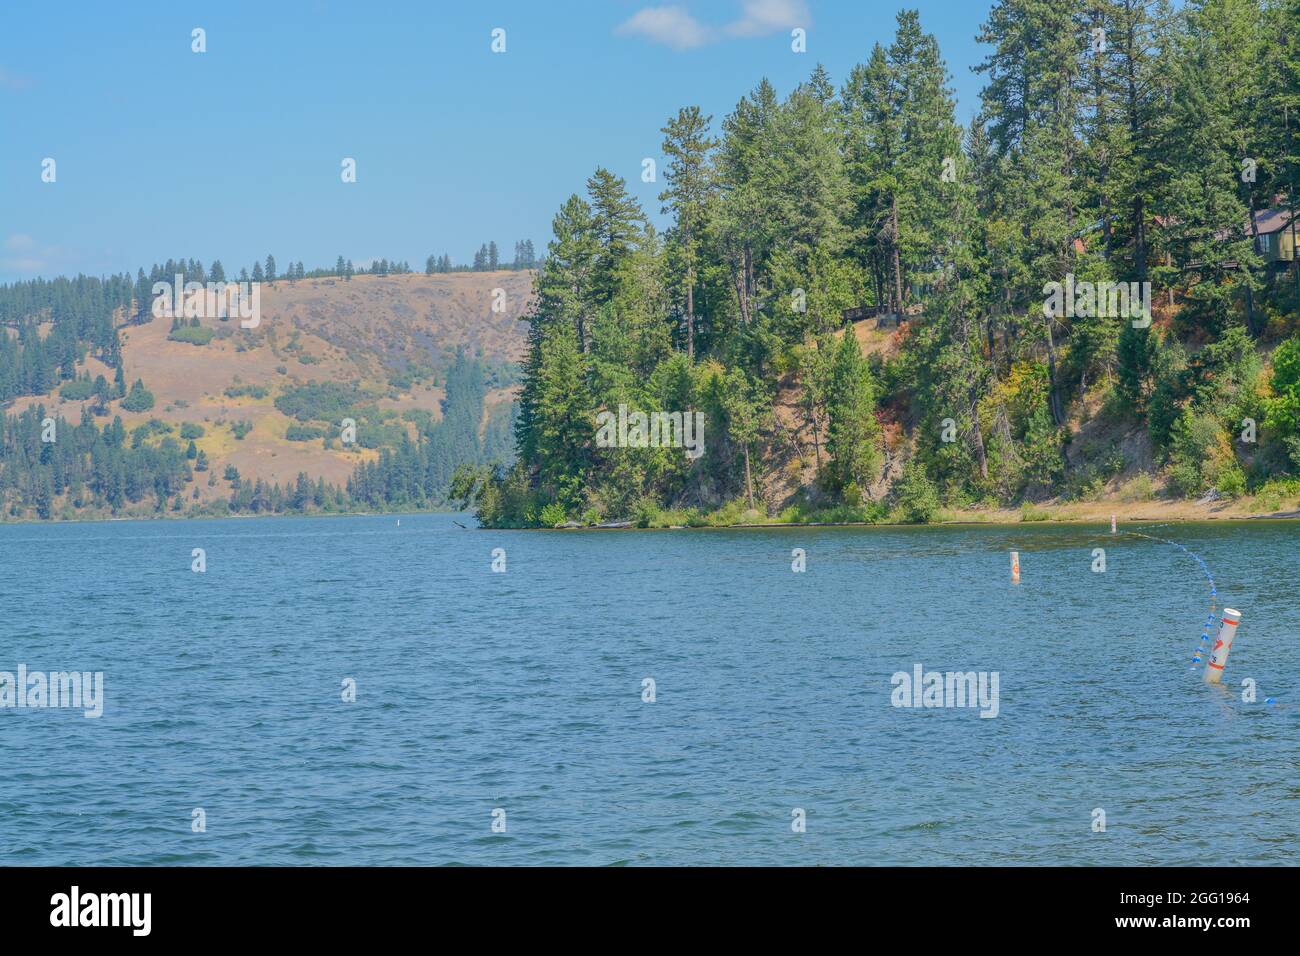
(521, 700)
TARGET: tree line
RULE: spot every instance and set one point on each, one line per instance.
(486, 259)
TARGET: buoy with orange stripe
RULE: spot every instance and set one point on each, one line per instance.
(1015, 567)
(1222, 644)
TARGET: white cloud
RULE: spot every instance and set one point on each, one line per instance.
(763, 17)
(673, 26)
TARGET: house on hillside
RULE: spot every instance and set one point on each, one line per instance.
(1277, 229)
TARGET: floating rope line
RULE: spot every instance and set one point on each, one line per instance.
(1198, 654)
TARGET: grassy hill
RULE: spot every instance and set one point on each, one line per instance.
(267, 400)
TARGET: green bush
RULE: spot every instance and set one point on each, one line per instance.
(646, 514)
(852, 494)
(193, 334)
(1201, 457)
(552, 515)
(915, 497)
(297, 432)
(1284, 408)
(1230, 481)
(1273, 495)
(1138, 488)
(139, 399)
(78, 390)
(252, 391)
(319, 401)
(1030, 513)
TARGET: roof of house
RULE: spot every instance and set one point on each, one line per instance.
(1271, 220)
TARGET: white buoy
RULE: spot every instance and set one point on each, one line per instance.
(1015, 567)
(1112, 524)
(1222, 644)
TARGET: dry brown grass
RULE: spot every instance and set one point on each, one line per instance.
(357, 331)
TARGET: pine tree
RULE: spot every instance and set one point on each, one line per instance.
(744, 407)
(562, 420)
(853, 433)
(617, 223)
(689, 177)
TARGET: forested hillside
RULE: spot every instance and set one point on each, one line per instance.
(110, 410)
(856, 290)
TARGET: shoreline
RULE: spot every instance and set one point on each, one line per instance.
(1075, 513)
(1180, 511)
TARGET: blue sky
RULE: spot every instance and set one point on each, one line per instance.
(236, 152)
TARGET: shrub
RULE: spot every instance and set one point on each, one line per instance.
(915, 496)
(78, 390)
(252, 391)
(1284, 409)
(1272, 495)
(1138, 488)
(852, 494)
(646, 513)
(319, 401)
(1030, 513)
(1202, 457)
(552, 515)
(139, 399)
(192, 334)
(733, 512)
(297, 432)
(1230, 480)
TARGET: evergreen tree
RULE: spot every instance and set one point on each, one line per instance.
(689, 177)
(617, 223)
(853, 433)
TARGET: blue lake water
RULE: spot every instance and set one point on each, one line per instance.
(522, 692)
